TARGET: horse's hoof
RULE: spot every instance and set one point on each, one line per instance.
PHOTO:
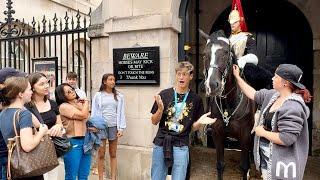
(219, 177)
(246, 176)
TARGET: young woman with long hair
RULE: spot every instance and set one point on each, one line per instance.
(108, 103)
(45, 109)
(74, 113)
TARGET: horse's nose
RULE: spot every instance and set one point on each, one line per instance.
(214, 84)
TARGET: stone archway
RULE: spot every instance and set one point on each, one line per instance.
(213, 13)
(283, 35)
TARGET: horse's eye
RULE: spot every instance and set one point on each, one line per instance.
(225, 51)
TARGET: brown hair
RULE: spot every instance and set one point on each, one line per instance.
(103, 86)
(33, 79)
(11, 89)
(185, 64)
(72, 75)
(305, 93)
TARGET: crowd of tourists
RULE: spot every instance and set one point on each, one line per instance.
(29, 113)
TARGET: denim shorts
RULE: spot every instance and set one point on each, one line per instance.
(110, 133)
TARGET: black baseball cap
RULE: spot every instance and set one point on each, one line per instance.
(10, 72)
(291, 73)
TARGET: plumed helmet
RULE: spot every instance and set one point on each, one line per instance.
(237, 15)
(234, 16)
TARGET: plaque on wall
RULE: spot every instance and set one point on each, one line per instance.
(137, 65)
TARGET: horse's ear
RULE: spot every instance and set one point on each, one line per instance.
(204, 35)
(221, 33)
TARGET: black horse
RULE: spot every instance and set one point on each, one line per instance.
(233, 110)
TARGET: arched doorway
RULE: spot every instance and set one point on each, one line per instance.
(282, 32)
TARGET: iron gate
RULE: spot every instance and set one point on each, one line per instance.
(64, 39)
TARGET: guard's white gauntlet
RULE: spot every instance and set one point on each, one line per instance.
(249, 58)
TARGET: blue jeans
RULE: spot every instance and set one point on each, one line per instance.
(77, 164)
(3, 167)
(159, 170)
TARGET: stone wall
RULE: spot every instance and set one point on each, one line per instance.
(316, 99)
(310, 8)
(138, 23)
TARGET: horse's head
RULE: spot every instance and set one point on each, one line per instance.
(217, 62)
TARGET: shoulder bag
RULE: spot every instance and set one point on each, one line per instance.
(38, 161)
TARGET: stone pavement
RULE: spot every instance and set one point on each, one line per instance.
(203, 166)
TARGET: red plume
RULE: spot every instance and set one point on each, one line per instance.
(237, 4)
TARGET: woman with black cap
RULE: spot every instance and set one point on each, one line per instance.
(281, 136)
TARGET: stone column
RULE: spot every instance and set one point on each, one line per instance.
(316, 98)
(127, 24)
(311, 12)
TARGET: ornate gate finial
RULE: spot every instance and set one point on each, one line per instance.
(9, 19)
(9, 12)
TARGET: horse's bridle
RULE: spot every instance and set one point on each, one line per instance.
(225, 115)
(223, 76)
(223, 73)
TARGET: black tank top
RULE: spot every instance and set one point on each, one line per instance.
(267, 123)
(267, 119)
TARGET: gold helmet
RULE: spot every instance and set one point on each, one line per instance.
(234, 16)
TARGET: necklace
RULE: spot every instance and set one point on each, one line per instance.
(178, 109)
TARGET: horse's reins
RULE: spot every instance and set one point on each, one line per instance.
(224, 75)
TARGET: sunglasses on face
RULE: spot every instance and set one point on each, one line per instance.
(70, 91)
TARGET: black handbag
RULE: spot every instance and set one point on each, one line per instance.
(62, 145)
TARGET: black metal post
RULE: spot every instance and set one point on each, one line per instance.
(197, 45)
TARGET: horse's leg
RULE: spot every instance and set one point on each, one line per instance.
(245, 143)
(218, 139)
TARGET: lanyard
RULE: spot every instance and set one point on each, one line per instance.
(179, 109)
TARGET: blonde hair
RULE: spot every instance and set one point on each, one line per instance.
(185, 64)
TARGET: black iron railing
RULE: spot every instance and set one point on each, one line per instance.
(64, 38)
